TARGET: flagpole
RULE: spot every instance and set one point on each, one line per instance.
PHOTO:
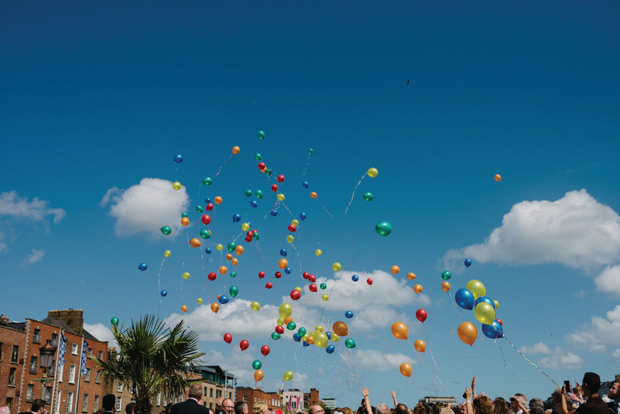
(77, 397)
(56, 372)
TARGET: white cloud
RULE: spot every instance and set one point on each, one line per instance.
(539, 348)
(373, 360)
(575, 230)
(600, 332)
(102, 333)
(609, 280)
(146, 207)
(616, 355)
(34, 256)
(561, 360)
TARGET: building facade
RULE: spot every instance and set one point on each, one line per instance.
(312, 397)
(253, 396)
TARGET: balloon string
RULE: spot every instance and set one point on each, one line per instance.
(441, 322)
(429, 348)
(326, 210)
(503, 357)
(222, 166)
(353, 195)
(298, 257)
(362, 249)
(307, 164)
(532, 363)
(159, 284)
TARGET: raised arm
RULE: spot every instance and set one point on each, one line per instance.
(367, 401)
(394, 398)
(469, 409)
(565, 409)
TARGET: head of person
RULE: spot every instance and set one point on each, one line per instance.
(578, 390)
(261, 408)
(537, 406)
(557, 396)
(500, 406)
(591, 383)
(401, 409)
(38, 406)
(108, 402)
(446, 410)
(382, 408)
(130, 408)
(228, 406)
(614, 391)
(483, 405)
(316, 409)
(241, 407)
(516, 400)
(195, 392)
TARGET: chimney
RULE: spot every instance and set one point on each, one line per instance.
(4, 320)
(74, 318)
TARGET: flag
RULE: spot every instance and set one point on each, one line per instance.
(62, 348)
(83, 361)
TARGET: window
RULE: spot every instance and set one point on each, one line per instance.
(72, 374)
(211, 392)
(69, 402)
(100, 354)
(33, 365)
(48, 395)
(87, 375)
(57, 408)
(85, 404)
(54, 342)
(90, 351)
(74, 348)
(36, 337)
(60, 370)
(14, 354)
(30, 392)
(9, 403)
(98, 377)
(119, 387)
(96, 403)
(1, 353)
(12, 376)
(158, 399)
(119, 403)
(245, 399)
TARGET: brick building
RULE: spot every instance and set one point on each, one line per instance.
(312, 397)
(12, 342)
(252, 396)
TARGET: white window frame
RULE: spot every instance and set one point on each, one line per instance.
(59, 373)
(85, 403)
(119, 387)
(72, 374)
(119, 403)
(57, 408)
(69, 401)
(96, 403)
(74, 348)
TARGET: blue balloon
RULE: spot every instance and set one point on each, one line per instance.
(348, 314)
(329, 335)
(493, 331)
(467, 262)
(274, 213)
(330, 349)
(208, 200)
(254, 203)
(164, 293)
(306, 343)
(485, 299)
(178, 158)
(464, 298)
(208, 250)
(305, 184)
(302, 216)
(224, 299)
(283, 252)
(296, 337)
(236, 217)
(288, 270)
(355, 278)
(142, 266)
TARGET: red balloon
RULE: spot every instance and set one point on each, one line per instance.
(248, 239)
(274, 188)
(306, 275)
(261, 275)
(295, 295)
(209, 207)
(212, 276)
(292, 228)
(278, 275)
(265, 350)
(206, 219)
(500, 322)
(269, 285)
(262, 165)
(280, 178)
(254, 231)
(244, 344)
(280, 329)
(312, 287)
(369, 281)
(227, 338)
(421, 315)
(312, 278)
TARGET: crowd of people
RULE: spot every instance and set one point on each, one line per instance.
(583, 399)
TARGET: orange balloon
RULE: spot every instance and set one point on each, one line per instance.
(310, 340)
(411, 276)
(234, 261)
(217, 200)
(395, 269)
(215, 307)
(236, 150)
(229, 256)
(184, 308)
(288, 320)
(223, 270)
(468, 333)
(283, 263)
(406, 369)
(258, 375)
(239, 250)
(498, 178)
(418, 288)
(313, 195)
(420, 345)
(446, 286)
(194, 242)
(400, 330)
(340, 328)
(184, 221)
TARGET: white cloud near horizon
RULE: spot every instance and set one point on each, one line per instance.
(575, 231)
(35, 256)
(102, 333)
(609, 280)
(146, 207)
(599, 333)
(555, 358)
(374, 360)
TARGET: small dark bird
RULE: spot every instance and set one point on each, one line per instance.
(408, 82)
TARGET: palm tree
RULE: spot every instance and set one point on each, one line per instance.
(152, 359)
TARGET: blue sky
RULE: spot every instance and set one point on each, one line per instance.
(97, 100)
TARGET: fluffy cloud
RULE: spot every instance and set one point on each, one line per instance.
(555, 358)
(575, 230)
(373, 360)
(34, 256)
(600, 333)
(538, 348)
(145, 207)
(609, 280)
(102, 333)
(616, 355)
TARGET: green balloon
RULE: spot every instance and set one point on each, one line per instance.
(258, 156)
(205, 234)
(446, 276)
(257, 364)
(350, 343)
(233, 274)
(231, 247)
(368, 196)
(258, 193)
(184, 214)
(301, 331)
(199, 209)
(248, 193)
(310, 150)
(383, 228)
(207, 181)
(275, 336)
(323, 286)
(268, 171)
(234, 290)
(261, 135)
(166, 230)
(114, 321)
(291, 326)
(255, 236)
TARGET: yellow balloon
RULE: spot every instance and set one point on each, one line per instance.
(485, 313)
(335, 337)
(185, 275)
(319, 328)
(290, 238)
(285, 310)
(176, 185)
(288, 375)
(321, 340)
(325, 297)
(477, 288)
(318, 252)
(219, 247)
(336, 266)
(295, 222)
(255, 306)
(496, 303)
(199, 301)
(372, 172)
(280, 321)
(245, 227)
(167, 253)
(281, 197)
(299, 289)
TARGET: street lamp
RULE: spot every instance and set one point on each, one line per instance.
(47, 357)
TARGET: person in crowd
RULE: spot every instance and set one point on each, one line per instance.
(38, 407)
(501, 406)
(614, 396)
(241, 408)
(108, 403)
(192, 404)
(483, 405)
(130, 408)
(518, 404)
(594, 405)
(261, 408)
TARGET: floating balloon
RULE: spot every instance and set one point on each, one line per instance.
(275, 336)
(178, 158)
(336, 267)
(258, 374)
(166, 230)
(330, 349)
(334, 337)
(318, 252)
(464, 298)
(142, 266)
(369, 281)
(372, 172)
(274, 213)
(223, 270)
(236, 217)
(217, 200)
(493, 331)
(395, 269)
(321, 340)
(485, 299)
(194, 242)
(420, 345)
(236, 150)
(199, 301)
(467, 333)
(167, 253)
(290, 238)
(477, 288)
(349, 343)
(164, 292)
(244, 344)
(411, 276)
(185, 221)
(302, 216)
(281, 197)
(288, 375)
(265, 350)
(368, 196)
(323, 286)
(285, 310)
(498, 178)
(421, 315)
(355, 278)
(312, 287)
(114, 320)
(325, 297)
(291, 326)
(295, 294)
(207, 181)
(485, 313)
(418, 288)
(283, 263)
(206, 219)
(212, 276)
(305, 184)
(209, 206)
(467, 262)
(383, 228)
(234, 290)
(499, 321)
(400, 330)
(208, 250)
(313, 195)
(205, 234)
(227, 338)
(445, 286)
(176, 185)
(446, 275)
(301, 331)
(406, 369)
(283, 253)
(495, 304)
(184, 308)
(261, 135)
(239, 250)
(340, 328)
(258, 156)
(348, 314)
(185, 275)
(215, 307)
(199, 209)
(224, 299)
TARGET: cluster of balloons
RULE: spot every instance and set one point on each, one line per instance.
(473, 296)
